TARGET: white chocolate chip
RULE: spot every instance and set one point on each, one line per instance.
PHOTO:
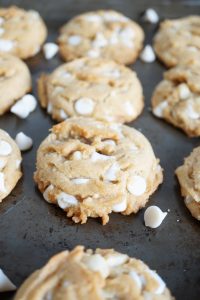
(159, 109)
(5, 148)
(116, 259)
(121, 206)
(127, 33)
(50, 50)
(129, 108)
(110, 143)
(23, 107)
(97, 263)
(18, 163)
(136, 278)
(65, 200)
(77, 155)
(66, 75)
(34, 14)
(93, 18)
(46, 193)
(2, 183)
(80, 180)
(63, 115)
(127, 37)
(5, 284)
(3, 162)
(112, 17)
(188, 199)
(184, 91)
(97, 156)
(1, 21)
(192, 48)
(74, 40)
(23, 141)
(147, 55)
(154, 216)
(147, 295)
(161, 284)
(84, 106)
(117, 128)
(137, 185)
(48, 296)
(113, 73)
(6, 45)
(133, 147)
(100, 41)
(111, 173)
(49, 108)
(151, 16)
(2, 30)
(191, 113)
(93, 53)
(114, 39)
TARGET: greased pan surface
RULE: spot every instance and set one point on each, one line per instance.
(31, 230)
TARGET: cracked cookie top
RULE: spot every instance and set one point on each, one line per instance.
(178, 41)
(96, 88)
(21, 32)
(104, 33)
(177, 99)
(102, 274)
(90, 168)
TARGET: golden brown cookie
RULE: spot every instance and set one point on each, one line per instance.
(15, 80)
(102, 274)
(103, 33)
(189, 179)
(178, 41)
(96, 88)
(91, 168)
(21, 32)
(177, 99)
(10, 161)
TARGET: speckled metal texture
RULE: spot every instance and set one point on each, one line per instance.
(31, 230)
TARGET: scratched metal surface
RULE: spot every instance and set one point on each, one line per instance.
(31, 230)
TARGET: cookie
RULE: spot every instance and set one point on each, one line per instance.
(96, 88)
(103, 33)
(177, 99)
(178, 41)
(101, 274)
(92, 168)
(188, 177)
(10, 160)
(15, 80)
(22, 33)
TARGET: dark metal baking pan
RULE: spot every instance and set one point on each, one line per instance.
(31, 230)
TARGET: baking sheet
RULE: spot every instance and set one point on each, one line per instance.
(31, 230)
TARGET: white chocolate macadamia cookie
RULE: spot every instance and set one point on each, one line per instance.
(177, 99)
(189, 179)
(96, 88)
(91, 168)
(178, 41)
(102, 274)
(103, 33)
(15, 81)
(22, 33)
(10, 161)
